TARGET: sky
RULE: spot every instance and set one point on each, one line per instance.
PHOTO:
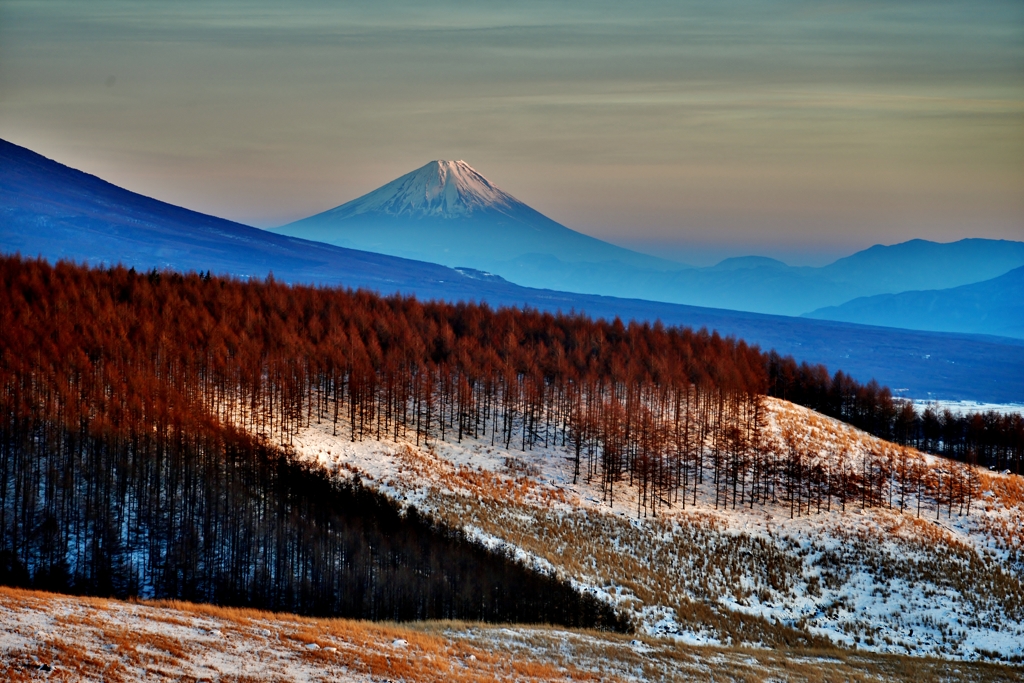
(693, 130)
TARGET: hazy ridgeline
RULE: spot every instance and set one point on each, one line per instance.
(137, 413)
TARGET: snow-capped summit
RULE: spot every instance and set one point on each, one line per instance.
(440, 189)
(447, 212)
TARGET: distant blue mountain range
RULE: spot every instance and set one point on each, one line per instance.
(52, 211)
(994, 306)
(447, 212)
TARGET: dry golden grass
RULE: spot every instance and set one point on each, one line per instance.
(132, 641)
(1008, 490)
(607, 550)
(96, 643)
(687, 561)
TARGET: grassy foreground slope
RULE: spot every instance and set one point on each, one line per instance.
(44, 636)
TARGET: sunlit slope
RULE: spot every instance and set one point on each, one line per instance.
(927, 559)
(46, 636)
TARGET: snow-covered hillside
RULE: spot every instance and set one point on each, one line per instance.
(54, 637)
(944, 582)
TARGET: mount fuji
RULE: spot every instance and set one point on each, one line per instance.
(447, 212)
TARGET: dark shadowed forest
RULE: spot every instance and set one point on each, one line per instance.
(139, 413)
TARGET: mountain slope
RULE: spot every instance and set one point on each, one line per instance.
(995, 306)
(446, 212)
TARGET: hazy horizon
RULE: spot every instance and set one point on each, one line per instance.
(801, 131)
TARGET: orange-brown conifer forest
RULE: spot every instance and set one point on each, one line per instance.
(142, 417)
